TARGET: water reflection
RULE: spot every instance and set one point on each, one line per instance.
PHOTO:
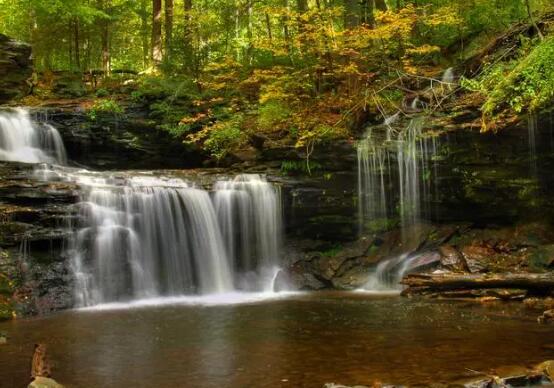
(302, 341)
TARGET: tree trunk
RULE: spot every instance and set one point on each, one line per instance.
(157, 55)
(168, 28)
(302, 6)
(106, 60)
(366, 13)
(381, 5)
(249, 32)
(70, 47)
(144, 32)
(532, 20)
(350, 14)
(105, 37)
(453, 281)
(77, 45)
(187, 38)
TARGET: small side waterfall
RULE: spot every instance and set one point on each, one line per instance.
(396, 168)
(21, 140)
(395, 171)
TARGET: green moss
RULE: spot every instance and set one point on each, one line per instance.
(381, 224)
(542, 258)
(524, 84)
(106, 105)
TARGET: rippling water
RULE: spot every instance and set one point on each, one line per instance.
(301, 340)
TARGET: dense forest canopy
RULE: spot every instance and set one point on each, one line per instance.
(222, 69)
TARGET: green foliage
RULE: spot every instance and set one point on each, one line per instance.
(102, 92)
(291, 167)
(104, 106)
(271, 114)
(523, 84)
(222, 137)
(381, 225)
(332, 251)
(530, 85)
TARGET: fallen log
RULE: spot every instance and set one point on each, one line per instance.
(453, 281)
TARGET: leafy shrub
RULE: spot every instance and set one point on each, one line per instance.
(102, 92)
(530, 85)
(271, 114)
(104, 106)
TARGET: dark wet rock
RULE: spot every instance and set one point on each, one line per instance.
(452, 259)
(34, 216)
(295, 279)
(16, 69)
(68, 84)
(130, 140)
(476, 257)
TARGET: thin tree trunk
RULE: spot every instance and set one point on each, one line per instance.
(77, 46)
(144, 31)
(157, 55)
(188, 35)
(380, 5)
(105, 37)
(249, 32)
(532, 19)
(106, 60)
(350, 15)
(286, 32)
(168, 28)
(70, 47)
(366, 13)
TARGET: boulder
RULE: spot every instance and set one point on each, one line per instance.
(16, 68)
(451, 259)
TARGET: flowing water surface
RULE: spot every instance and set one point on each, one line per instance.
(302, 340)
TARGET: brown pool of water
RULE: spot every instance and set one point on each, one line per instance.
(302, 341)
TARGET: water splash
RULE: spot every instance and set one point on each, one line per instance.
(21, 140)
(449, 76)
(388, 273)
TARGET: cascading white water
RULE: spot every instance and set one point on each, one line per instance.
(384, 189)
(138, 236)
(21, 140)
(395, 171)
(249, 213)
(147, 237)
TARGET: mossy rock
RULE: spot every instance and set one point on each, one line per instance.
(542, 258)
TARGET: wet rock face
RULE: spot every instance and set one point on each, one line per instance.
(15, 68)
(34, 217)
(119, 142)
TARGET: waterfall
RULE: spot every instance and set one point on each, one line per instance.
(385, 190)
(249, 213)
(138, 236)
(21, 140)
(141, 237)
(395, 170)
